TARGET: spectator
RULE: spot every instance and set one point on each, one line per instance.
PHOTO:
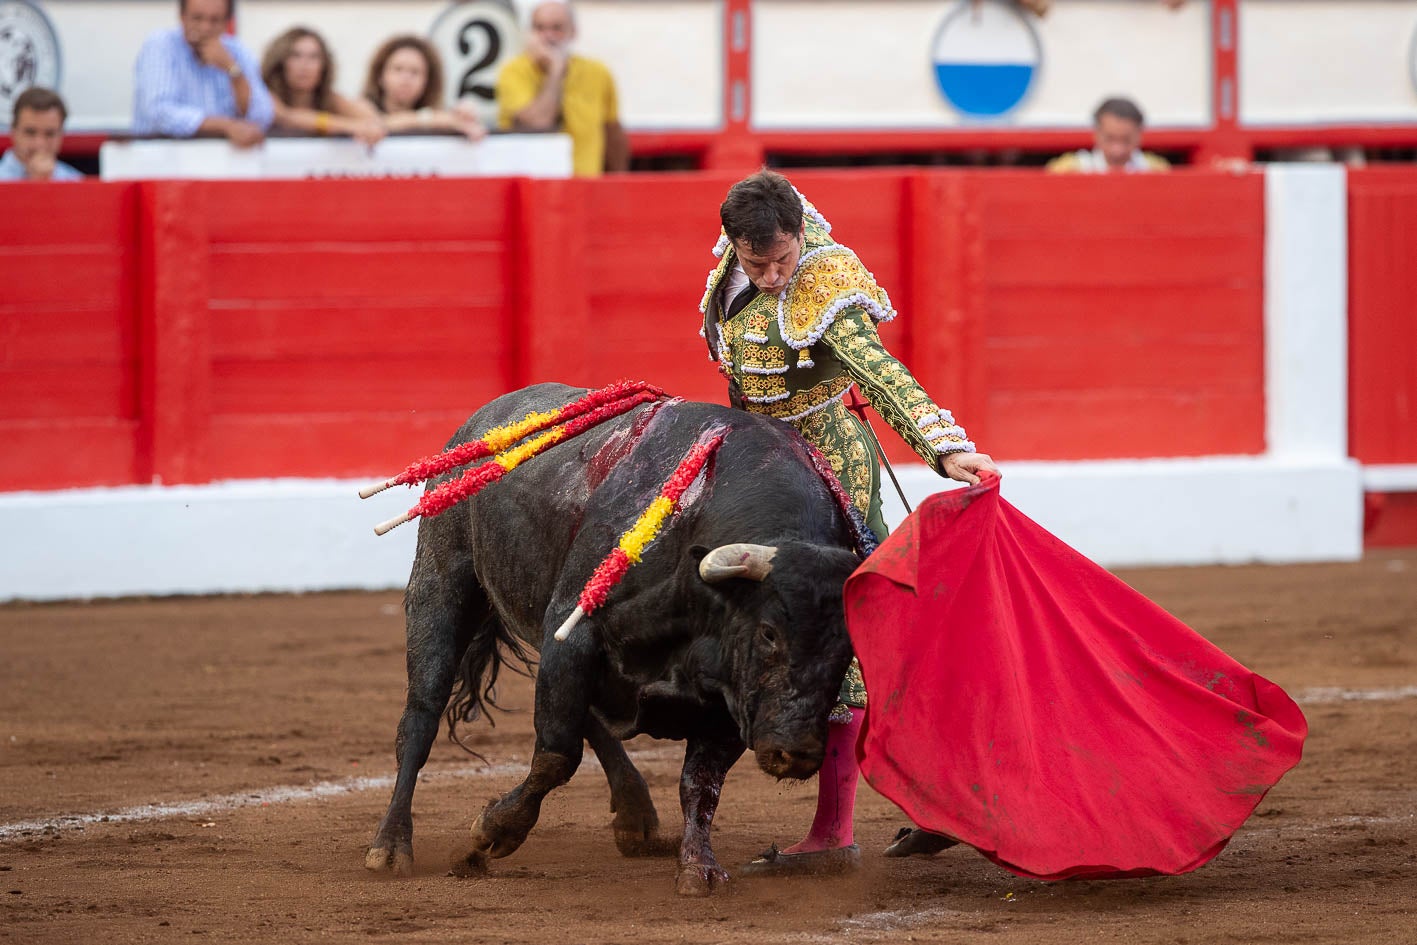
(1117, 127)
(195, 81)
(36, 135)
(300, 74)
(405, 84)
(549, 88)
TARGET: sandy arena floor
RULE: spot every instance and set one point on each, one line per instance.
(212, 769)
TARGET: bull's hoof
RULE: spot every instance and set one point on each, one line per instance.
(495, 834)
(696, 879)
(637, 834)
(488, 840)
(396, 861)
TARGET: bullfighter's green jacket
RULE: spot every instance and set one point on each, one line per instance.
(796, 356)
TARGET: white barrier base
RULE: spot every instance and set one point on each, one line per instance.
(1216, 510)
(246, 536)
(309, 535)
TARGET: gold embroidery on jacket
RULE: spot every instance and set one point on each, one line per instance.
(759, 388)
(827, 280)
(804, 400)
(763, 359)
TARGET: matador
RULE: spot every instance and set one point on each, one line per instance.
(790, 316)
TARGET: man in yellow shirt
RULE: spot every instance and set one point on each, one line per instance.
(1116, 131)
(549, 88)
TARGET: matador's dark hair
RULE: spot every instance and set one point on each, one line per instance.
(759, 209)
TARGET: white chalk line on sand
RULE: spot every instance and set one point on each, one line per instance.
(228, 802)
(275, 795)
(1322, 695)
(1325, 695)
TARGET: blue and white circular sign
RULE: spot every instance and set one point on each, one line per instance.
(986, 58)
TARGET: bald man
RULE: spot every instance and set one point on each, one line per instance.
(550, 88)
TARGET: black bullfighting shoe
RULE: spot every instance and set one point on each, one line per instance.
(912, 841)
(773, 862)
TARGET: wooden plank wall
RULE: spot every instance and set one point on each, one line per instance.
(196, 331)
(68, 336)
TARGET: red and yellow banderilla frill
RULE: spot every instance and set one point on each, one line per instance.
(647, 526)
(571, 420)
(499, 438)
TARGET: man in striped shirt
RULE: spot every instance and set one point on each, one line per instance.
(195, 81)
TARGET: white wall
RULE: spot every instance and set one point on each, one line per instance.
(1305, 62)
(667, 58)
(1212, 510)
(846, 64)
(99, 43)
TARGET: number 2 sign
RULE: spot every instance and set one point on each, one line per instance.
(475, 39)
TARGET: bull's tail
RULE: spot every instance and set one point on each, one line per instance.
(491, 648)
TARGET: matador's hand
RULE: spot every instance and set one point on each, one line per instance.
(966, 467)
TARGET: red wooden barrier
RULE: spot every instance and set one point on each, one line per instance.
(1382, 315)
(1099, 317)
(68, 336)
(353, 322)
(339, 328)
(1382, 338)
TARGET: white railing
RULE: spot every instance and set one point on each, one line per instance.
(546, 155)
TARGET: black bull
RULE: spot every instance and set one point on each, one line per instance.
(688, 646)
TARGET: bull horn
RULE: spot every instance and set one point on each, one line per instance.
(753, 562)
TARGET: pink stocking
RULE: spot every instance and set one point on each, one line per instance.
(836, 790)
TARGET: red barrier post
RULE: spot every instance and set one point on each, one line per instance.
(174, 395)
(946, 296)
(735, 147)
(1225, 140)
(551, 317)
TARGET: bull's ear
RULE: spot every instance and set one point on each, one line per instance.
(697, 552)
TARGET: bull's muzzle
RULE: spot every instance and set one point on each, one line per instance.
(798, 762)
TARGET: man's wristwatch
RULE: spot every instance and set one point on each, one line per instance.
(235, 71)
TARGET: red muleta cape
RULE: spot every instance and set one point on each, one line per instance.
(1027, 702)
